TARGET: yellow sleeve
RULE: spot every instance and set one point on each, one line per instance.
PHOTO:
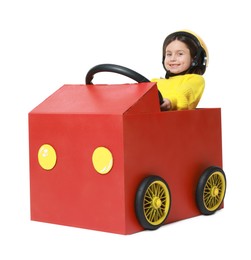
(183, 91)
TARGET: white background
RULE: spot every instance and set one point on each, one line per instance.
(46, 44)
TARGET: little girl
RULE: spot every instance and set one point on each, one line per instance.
(185, 59)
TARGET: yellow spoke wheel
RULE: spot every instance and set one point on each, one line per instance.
(211, 190)
(152, 203)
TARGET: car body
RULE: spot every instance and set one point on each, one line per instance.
(92, 147)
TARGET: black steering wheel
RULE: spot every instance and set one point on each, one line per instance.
(120, 70)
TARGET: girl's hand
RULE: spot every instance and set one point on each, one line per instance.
(166, 105)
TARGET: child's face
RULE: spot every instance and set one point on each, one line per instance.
(177, 57)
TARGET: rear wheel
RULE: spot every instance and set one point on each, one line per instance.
(152, 203)
(211, 190)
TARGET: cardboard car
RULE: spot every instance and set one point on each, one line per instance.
(105, 157)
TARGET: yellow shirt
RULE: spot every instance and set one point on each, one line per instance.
(184, 91)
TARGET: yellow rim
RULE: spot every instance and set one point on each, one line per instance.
(214, 191)
(156, 203)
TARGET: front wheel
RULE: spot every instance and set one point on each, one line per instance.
(211, 190)
(152, 203)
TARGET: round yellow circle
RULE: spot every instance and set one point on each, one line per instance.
(47, 157)
(102, 160)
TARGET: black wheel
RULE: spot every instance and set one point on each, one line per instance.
(211, 190)
(117, 69)
(152, 203)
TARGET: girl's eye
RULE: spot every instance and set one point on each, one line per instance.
(168, 54)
